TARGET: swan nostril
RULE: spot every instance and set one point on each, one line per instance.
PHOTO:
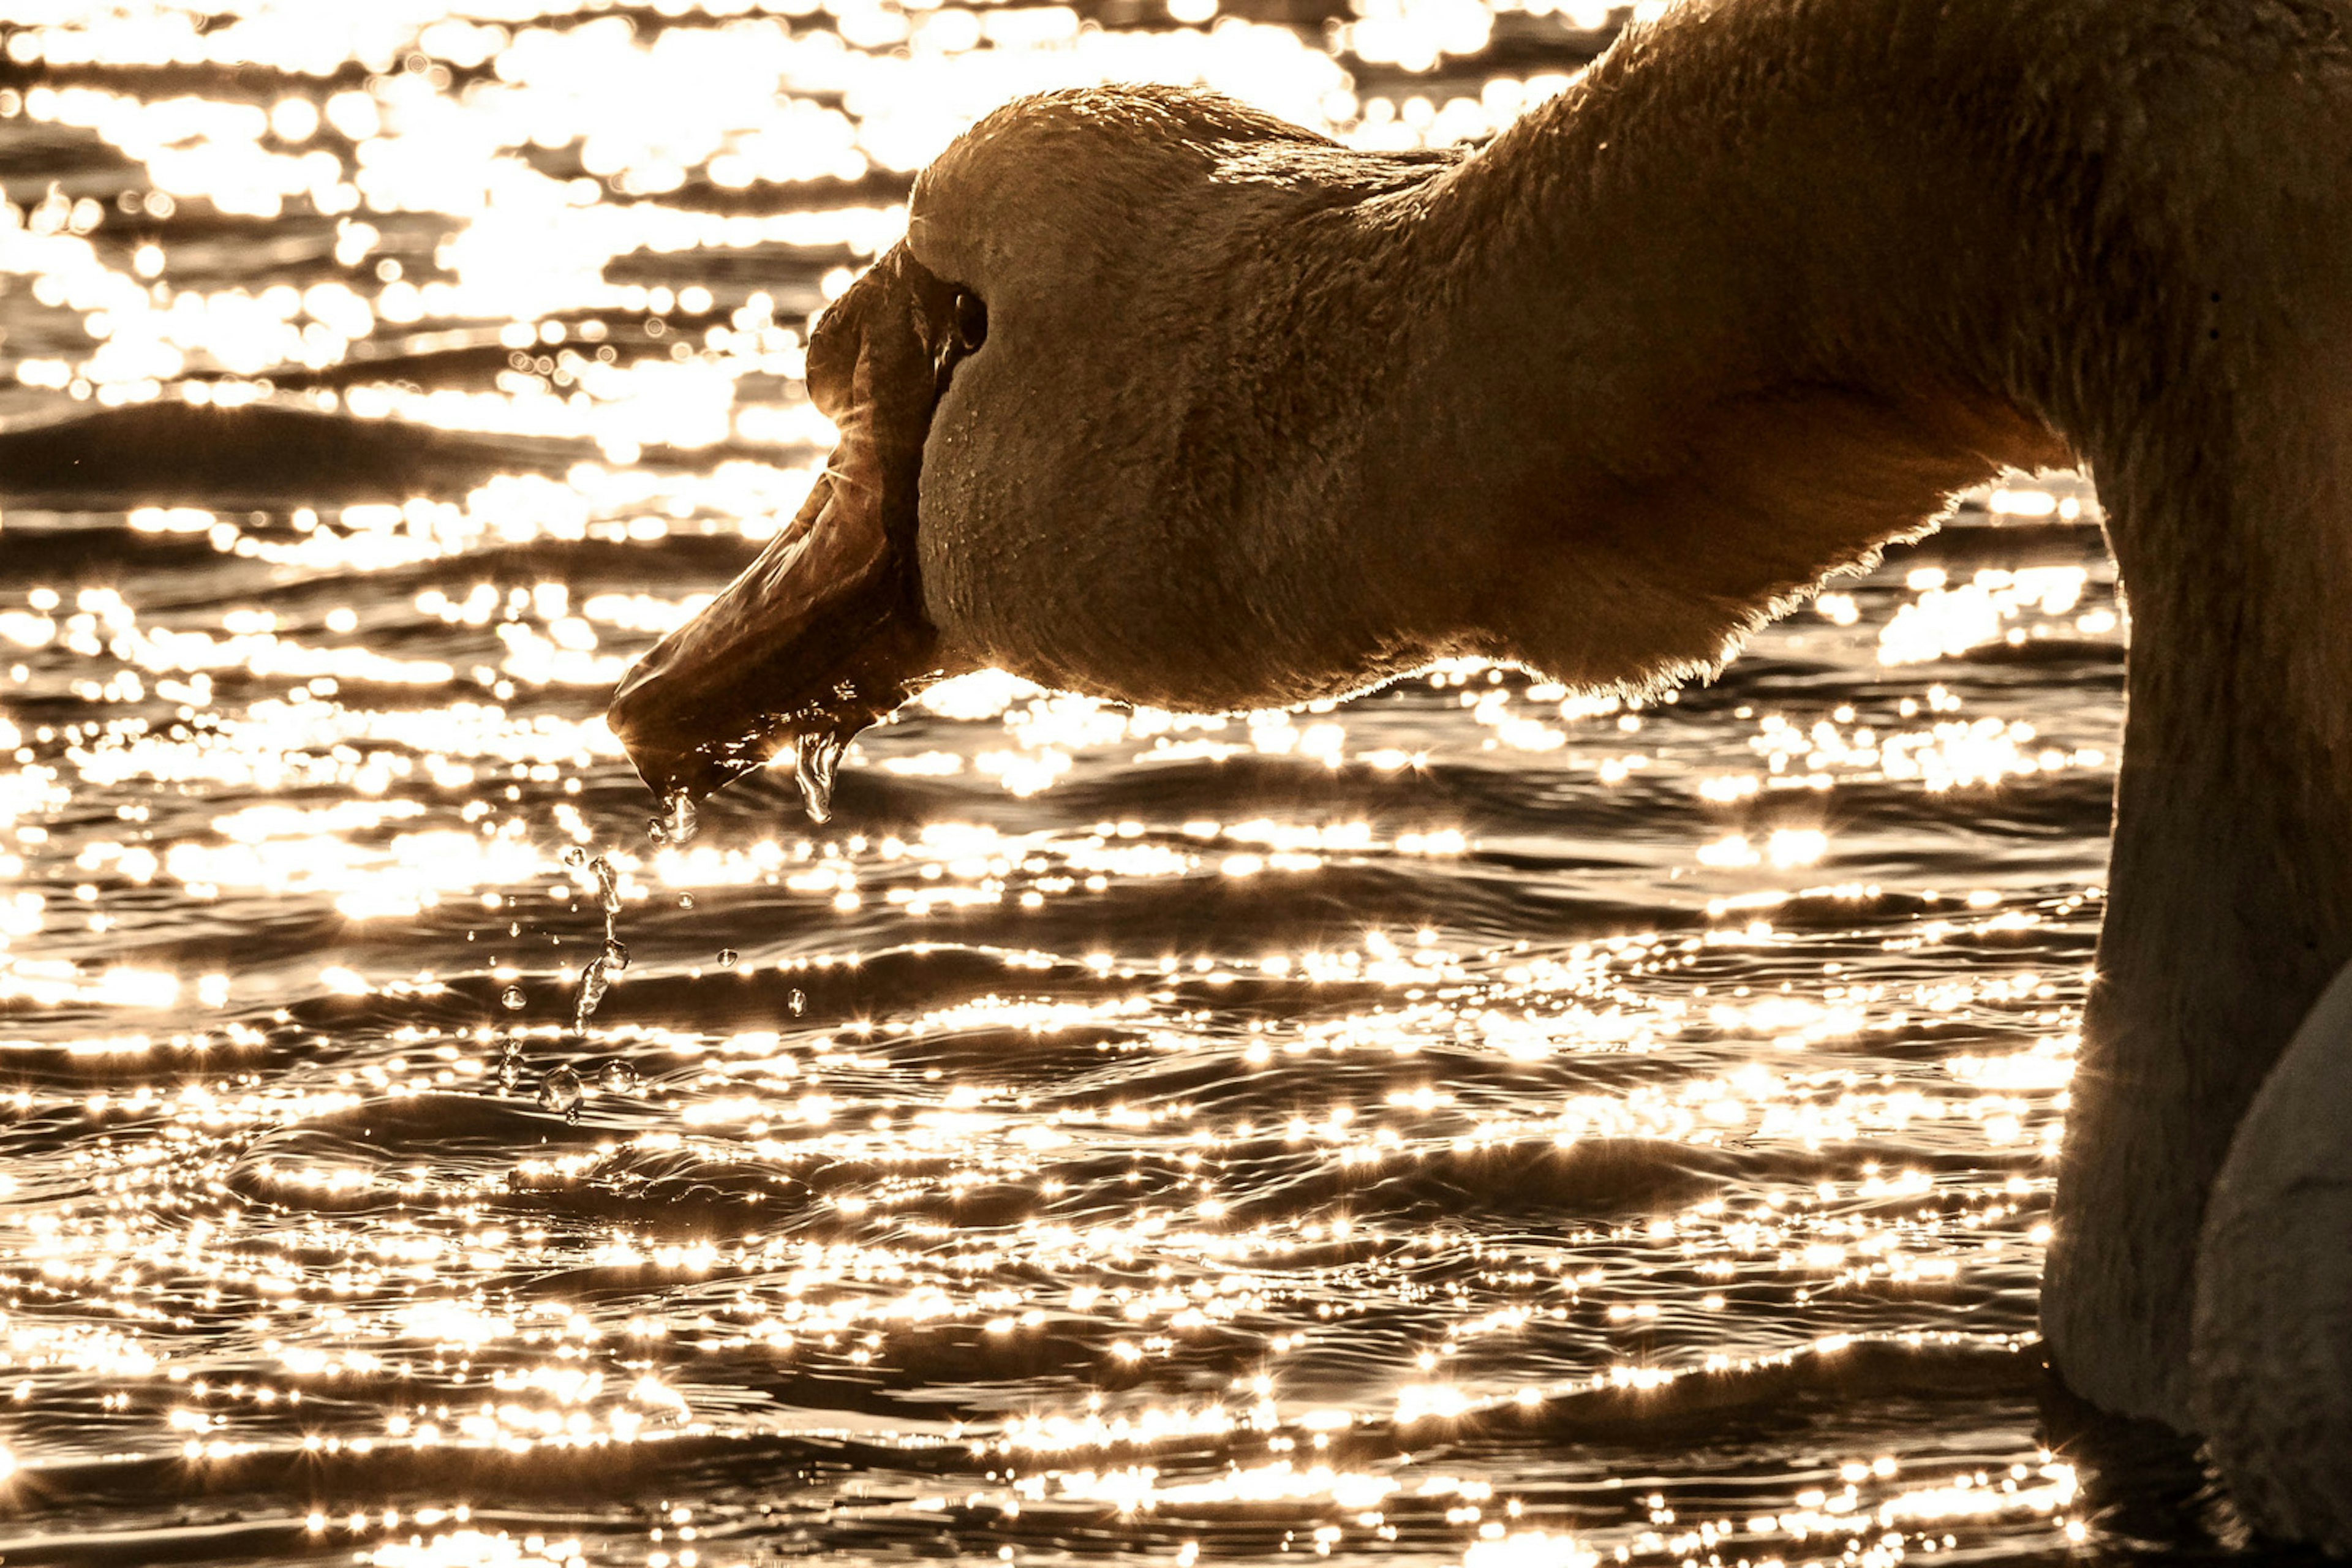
(971, 321)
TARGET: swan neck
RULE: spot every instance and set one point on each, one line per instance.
(1688, 353)
(2228, 912)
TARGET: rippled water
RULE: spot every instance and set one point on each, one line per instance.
(1466, 1122)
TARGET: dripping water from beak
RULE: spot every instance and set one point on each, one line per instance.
(825, 633)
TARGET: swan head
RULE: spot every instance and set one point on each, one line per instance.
(1059, 421)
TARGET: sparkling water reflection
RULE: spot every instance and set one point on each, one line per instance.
(1475, 1122)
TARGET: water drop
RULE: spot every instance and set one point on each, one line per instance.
(575, 857)
(686, 900)
(727, 957)
(681, 819)
(560, 1091)
(597, 976)
(618, 1077)
(797, 1002)
(591, 994)
(512, 998)
(816, 759)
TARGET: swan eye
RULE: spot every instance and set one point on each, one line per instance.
(971, 321)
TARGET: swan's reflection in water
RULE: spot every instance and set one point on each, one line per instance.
(1474, 1120)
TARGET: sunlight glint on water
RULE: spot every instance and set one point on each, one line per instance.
(1476, 1122)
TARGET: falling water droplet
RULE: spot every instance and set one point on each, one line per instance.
(797, 1002)
(597, 976)
(593, 984)
(816, 759)
(618, 1077)
(686, 900)
(575, 857)
(727, 957)
(681, 819)
(560, 1091)
(512, 998)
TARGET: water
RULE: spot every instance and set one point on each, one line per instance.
(816, 765)
(679, 821)
(560, 1091)
(599, 975)
(1467, 1123)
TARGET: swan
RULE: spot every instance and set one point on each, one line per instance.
(1164, 400)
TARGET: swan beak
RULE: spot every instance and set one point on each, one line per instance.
(824, 633)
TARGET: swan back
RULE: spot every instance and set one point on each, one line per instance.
(2272, 1377)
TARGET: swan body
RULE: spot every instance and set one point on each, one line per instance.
(1255, 419)
(2273, 1342)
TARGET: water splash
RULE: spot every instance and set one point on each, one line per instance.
(560, 1091)
(817, 759)
(596, 978)
(592, 986)
(678, 822)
